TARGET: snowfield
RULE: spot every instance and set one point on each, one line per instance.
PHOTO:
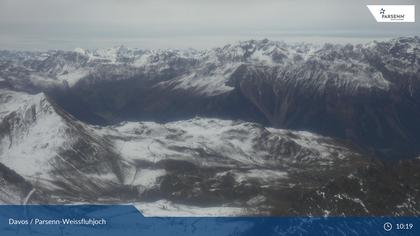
(165, 208)
(225, 142)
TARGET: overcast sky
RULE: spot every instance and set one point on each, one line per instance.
(66, 24)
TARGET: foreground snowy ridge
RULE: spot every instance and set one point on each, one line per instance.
(147, 155)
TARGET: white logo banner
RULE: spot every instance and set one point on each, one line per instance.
(393, 13)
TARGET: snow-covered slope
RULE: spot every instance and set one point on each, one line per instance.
(227, 163)
(16, 190)
(34, 133)
(163, 208)
(45, 145)
(215, 142)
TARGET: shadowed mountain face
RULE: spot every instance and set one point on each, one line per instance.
(386, 122)
(281, 129)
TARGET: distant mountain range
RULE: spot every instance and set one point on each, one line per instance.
(256, 127)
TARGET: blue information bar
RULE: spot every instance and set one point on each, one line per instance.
(118, 220)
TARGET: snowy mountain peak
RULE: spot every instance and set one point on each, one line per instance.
(48, 147)
(34, 132)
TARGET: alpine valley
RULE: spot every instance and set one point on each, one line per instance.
(257, 127)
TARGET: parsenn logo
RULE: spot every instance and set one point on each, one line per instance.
(393, 13)
(391, 16)
(382, 11)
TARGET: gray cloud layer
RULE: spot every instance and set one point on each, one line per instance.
(41, 24)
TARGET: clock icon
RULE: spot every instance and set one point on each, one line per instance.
(387, 226)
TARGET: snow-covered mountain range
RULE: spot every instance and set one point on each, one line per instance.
(256, 127)
(368, 94)
(349, 67)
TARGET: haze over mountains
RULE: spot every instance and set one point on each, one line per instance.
(255, 127)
